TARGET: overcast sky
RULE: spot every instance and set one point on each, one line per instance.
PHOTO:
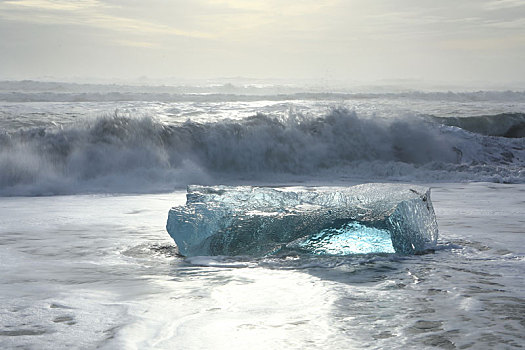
(362, 40)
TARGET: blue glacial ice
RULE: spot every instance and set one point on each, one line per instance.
(257, 221)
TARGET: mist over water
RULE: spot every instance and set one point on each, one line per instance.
(137, 152)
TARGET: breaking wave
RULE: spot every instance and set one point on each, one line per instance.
(136, 155)
(504, 124)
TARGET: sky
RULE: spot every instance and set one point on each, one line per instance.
(350, 40)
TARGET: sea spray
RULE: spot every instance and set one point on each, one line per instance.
(123, 153)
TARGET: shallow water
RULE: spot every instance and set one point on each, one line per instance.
(88, 271)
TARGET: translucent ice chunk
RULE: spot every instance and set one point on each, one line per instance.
(352, 238)
(369, 218)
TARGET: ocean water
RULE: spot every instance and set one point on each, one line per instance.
(87, 179)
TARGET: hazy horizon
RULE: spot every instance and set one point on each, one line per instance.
(354, 42)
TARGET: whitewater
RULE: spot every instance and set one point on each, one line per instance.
(88, 174)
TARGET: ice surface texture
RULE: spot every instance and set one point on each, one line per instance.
(257, 221)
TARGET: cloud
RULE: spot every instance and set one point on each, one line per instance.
(285, 8)
(136, 43)
(56, 5)
(92, 13)
(503, 4)
(508, 24)
(349, 38)
(485, 44)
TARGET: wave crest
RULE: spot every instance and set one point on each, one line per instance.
(126, 154)
(510, 125)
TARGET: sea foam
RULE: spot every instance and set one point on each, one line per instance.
(122, 153)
